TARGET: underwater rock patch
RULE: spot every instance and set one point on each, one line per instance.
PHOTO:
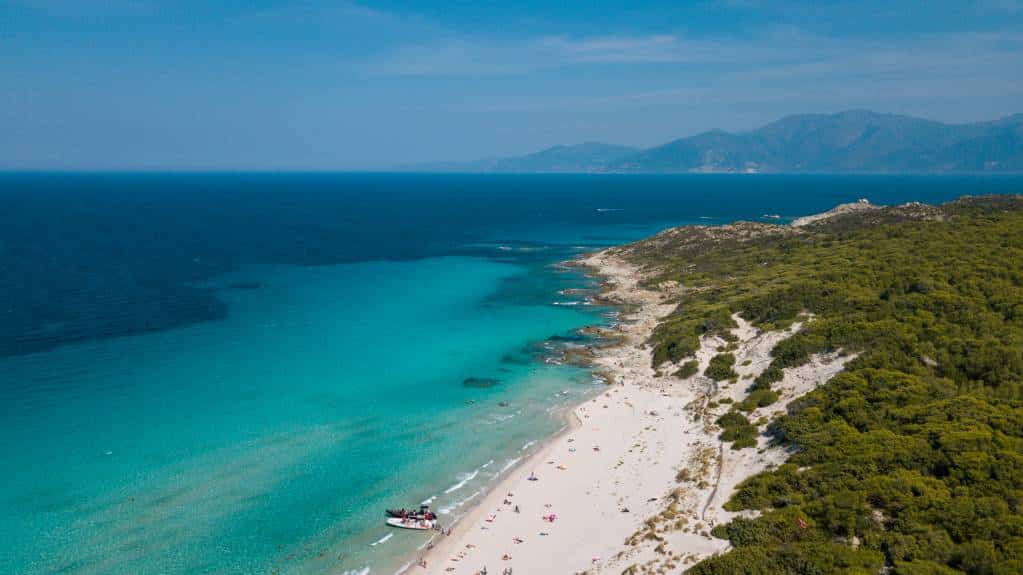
(480, 382)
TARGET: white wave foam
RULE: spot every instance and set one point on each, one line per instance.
(429, 500)
(527, 445)
(464, 478)
(381, 540)
(467, 477)
(511, 463)
(446, 510)
(567, 302)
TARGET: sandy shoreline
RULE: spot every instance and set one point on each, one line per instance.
(638, 477)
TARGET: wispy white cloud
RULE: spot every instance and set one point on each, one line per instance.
(457, 56)
(779, 65)
(789, 69)
(627, 49)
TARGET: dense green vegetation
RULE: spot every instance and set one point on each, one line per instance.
(911, 460)
(720, 367)
(688, 369)
(679, 335)
(758, 398)
(737, 429)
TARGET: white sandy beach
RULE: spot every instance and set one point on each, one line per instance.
(640, 477)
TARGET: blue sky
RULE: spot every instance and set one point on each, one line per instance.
(154, 84)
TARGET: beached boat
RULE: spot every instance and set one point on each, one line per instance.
(423, 513)
(406, 523)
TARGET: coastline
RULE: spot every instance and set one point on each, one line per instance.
(638, 476)
(453, 444)
(441, 545)
(651, 496)
(559, 456)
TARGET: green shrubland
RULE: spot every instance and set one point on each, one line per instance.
(910, 461)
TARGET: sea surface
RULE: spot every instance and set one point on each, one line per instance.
(237, 373)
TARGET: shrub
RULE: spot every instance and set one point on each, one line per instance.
(773, 374)
(720, 367)
(758, 398)
(688, 369)
(738, 430)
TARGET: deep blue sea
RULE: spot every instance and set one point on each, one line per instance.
(236, 373)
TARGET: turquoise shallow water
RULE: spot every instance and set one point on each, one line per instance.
(236, 373)
(276, 437)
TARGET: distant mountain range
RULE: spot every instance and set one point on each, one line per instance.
(854, 141)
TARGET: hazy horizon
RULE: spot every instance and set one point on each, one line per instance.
(318, 86)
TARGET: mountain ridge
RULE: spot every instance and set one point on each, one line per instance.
(853, 141)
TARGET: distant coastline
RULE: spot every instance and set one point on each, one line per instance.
(855, 141)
